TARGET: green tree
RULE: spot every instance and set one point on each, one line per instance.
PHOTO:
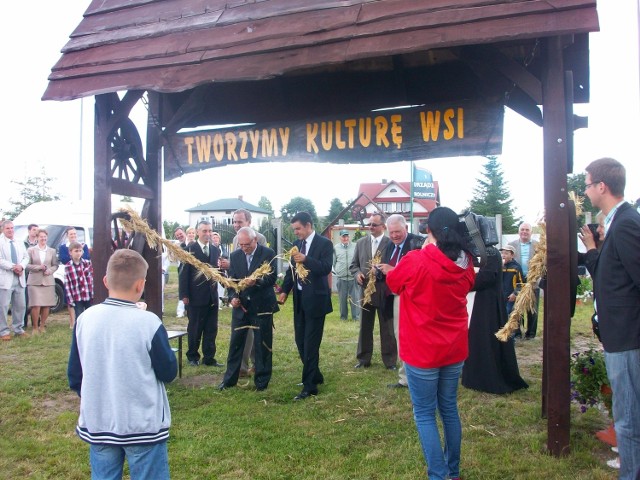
(265, 203)
(335, 208)
(170, 227)
(299, 204)
(32, 190)
(575, 183)
(491, 197)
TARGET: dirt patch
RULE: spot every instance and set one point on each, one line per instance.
(200, 381)
(529, 352)
(64, 402)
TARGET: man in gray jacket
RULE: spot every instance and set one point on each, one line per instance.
(366, 249)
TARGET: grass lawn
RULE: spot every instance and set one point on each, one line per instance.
(356, 428)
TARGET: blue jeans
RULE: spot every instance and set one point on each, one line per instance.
(145, 461)
(433, 388)
(623, 370)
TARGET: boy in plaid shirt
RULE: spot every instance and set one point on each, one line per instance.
(78, 280)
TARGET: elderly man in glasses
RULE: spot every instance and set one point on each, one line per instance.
(366, 249)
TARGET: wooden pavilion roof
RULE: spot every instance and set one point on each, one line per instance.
(172, 46)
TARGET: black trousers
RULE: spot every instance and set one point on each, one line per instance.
(388, 344)
(203, 326)
(308, 331)
(532, 319)
(262, 346)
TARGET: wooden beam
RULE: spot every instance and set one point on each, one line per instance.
(489, 67)
(102, 247)
(122, 108)
(128, 189)
(153, 288)
(557, 293)
(516, 73)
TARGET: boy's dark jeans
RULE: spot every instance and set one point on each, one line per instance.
(80, 306)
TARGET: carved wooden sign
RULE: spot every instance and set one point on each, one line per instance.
(412, 133)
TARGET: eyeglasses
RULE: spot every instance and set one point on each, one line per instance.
(590, 184)
(243, 245)
(376, 224)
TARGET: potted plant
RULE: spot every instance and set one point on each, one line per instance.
(589, 381)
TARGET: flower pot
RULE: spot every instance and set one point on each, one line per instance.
(608, 436)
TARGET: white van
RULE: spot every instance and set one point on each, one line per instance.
(56, 216)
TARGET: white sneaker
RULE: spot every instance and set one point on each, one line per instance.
(615, 463)
(614, 449)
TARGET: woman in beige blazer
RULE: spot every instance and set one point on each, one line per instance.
(43, 261)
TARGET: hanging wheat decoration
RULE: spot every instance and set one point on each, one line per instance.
(526, 299)
(371, 279)
(154, 240)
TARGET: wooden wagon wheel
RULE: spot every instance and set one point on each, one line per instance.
(127, 160)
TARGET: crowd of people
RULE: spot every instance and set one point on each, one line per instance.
(419, 288)
(27, 284)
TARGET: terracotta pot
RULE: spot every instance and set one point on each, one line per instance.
(608, 436)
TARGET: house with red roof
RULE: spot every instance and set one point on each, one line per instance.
(391, 197)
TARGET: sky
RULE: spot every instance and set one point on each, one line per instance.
(51, 136)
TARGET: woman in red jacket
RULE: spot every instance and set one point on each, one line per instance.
(433, 284)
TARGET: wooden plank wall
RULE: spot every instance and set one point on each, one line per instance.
(174, 45)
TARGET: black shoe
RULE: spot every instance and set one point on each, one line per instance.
(194, 363)
(222, 386)
(261, 388)
(392, 367)
(397, 385)
(304, 394)
(213, 363)
(362, 365)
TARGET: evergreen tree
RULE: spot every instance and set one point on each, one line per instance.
(334, 209)
(491, 197)
(32, 190)
(575, 183)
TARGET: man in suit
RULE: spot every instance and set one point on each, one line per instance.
(241, 219)
(525, 250)
(311, 298)
(13, 261)
(401, 242)
(253, 310)
(200, 297)
(616, 283)
(366, 249)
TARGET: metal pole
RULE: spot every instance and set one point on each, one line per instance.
(80, 153)
(411, 189)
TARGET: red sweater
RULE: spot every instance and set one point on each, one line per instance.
(433, 307)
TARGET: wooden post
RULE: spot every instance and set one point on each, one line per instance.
(102, 196)
(557, 292)
(153, 180)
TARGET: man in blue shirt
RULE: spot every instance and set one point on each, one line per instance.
(525, 249)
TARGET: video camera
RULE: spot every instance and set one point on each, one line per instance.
(479, 232)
